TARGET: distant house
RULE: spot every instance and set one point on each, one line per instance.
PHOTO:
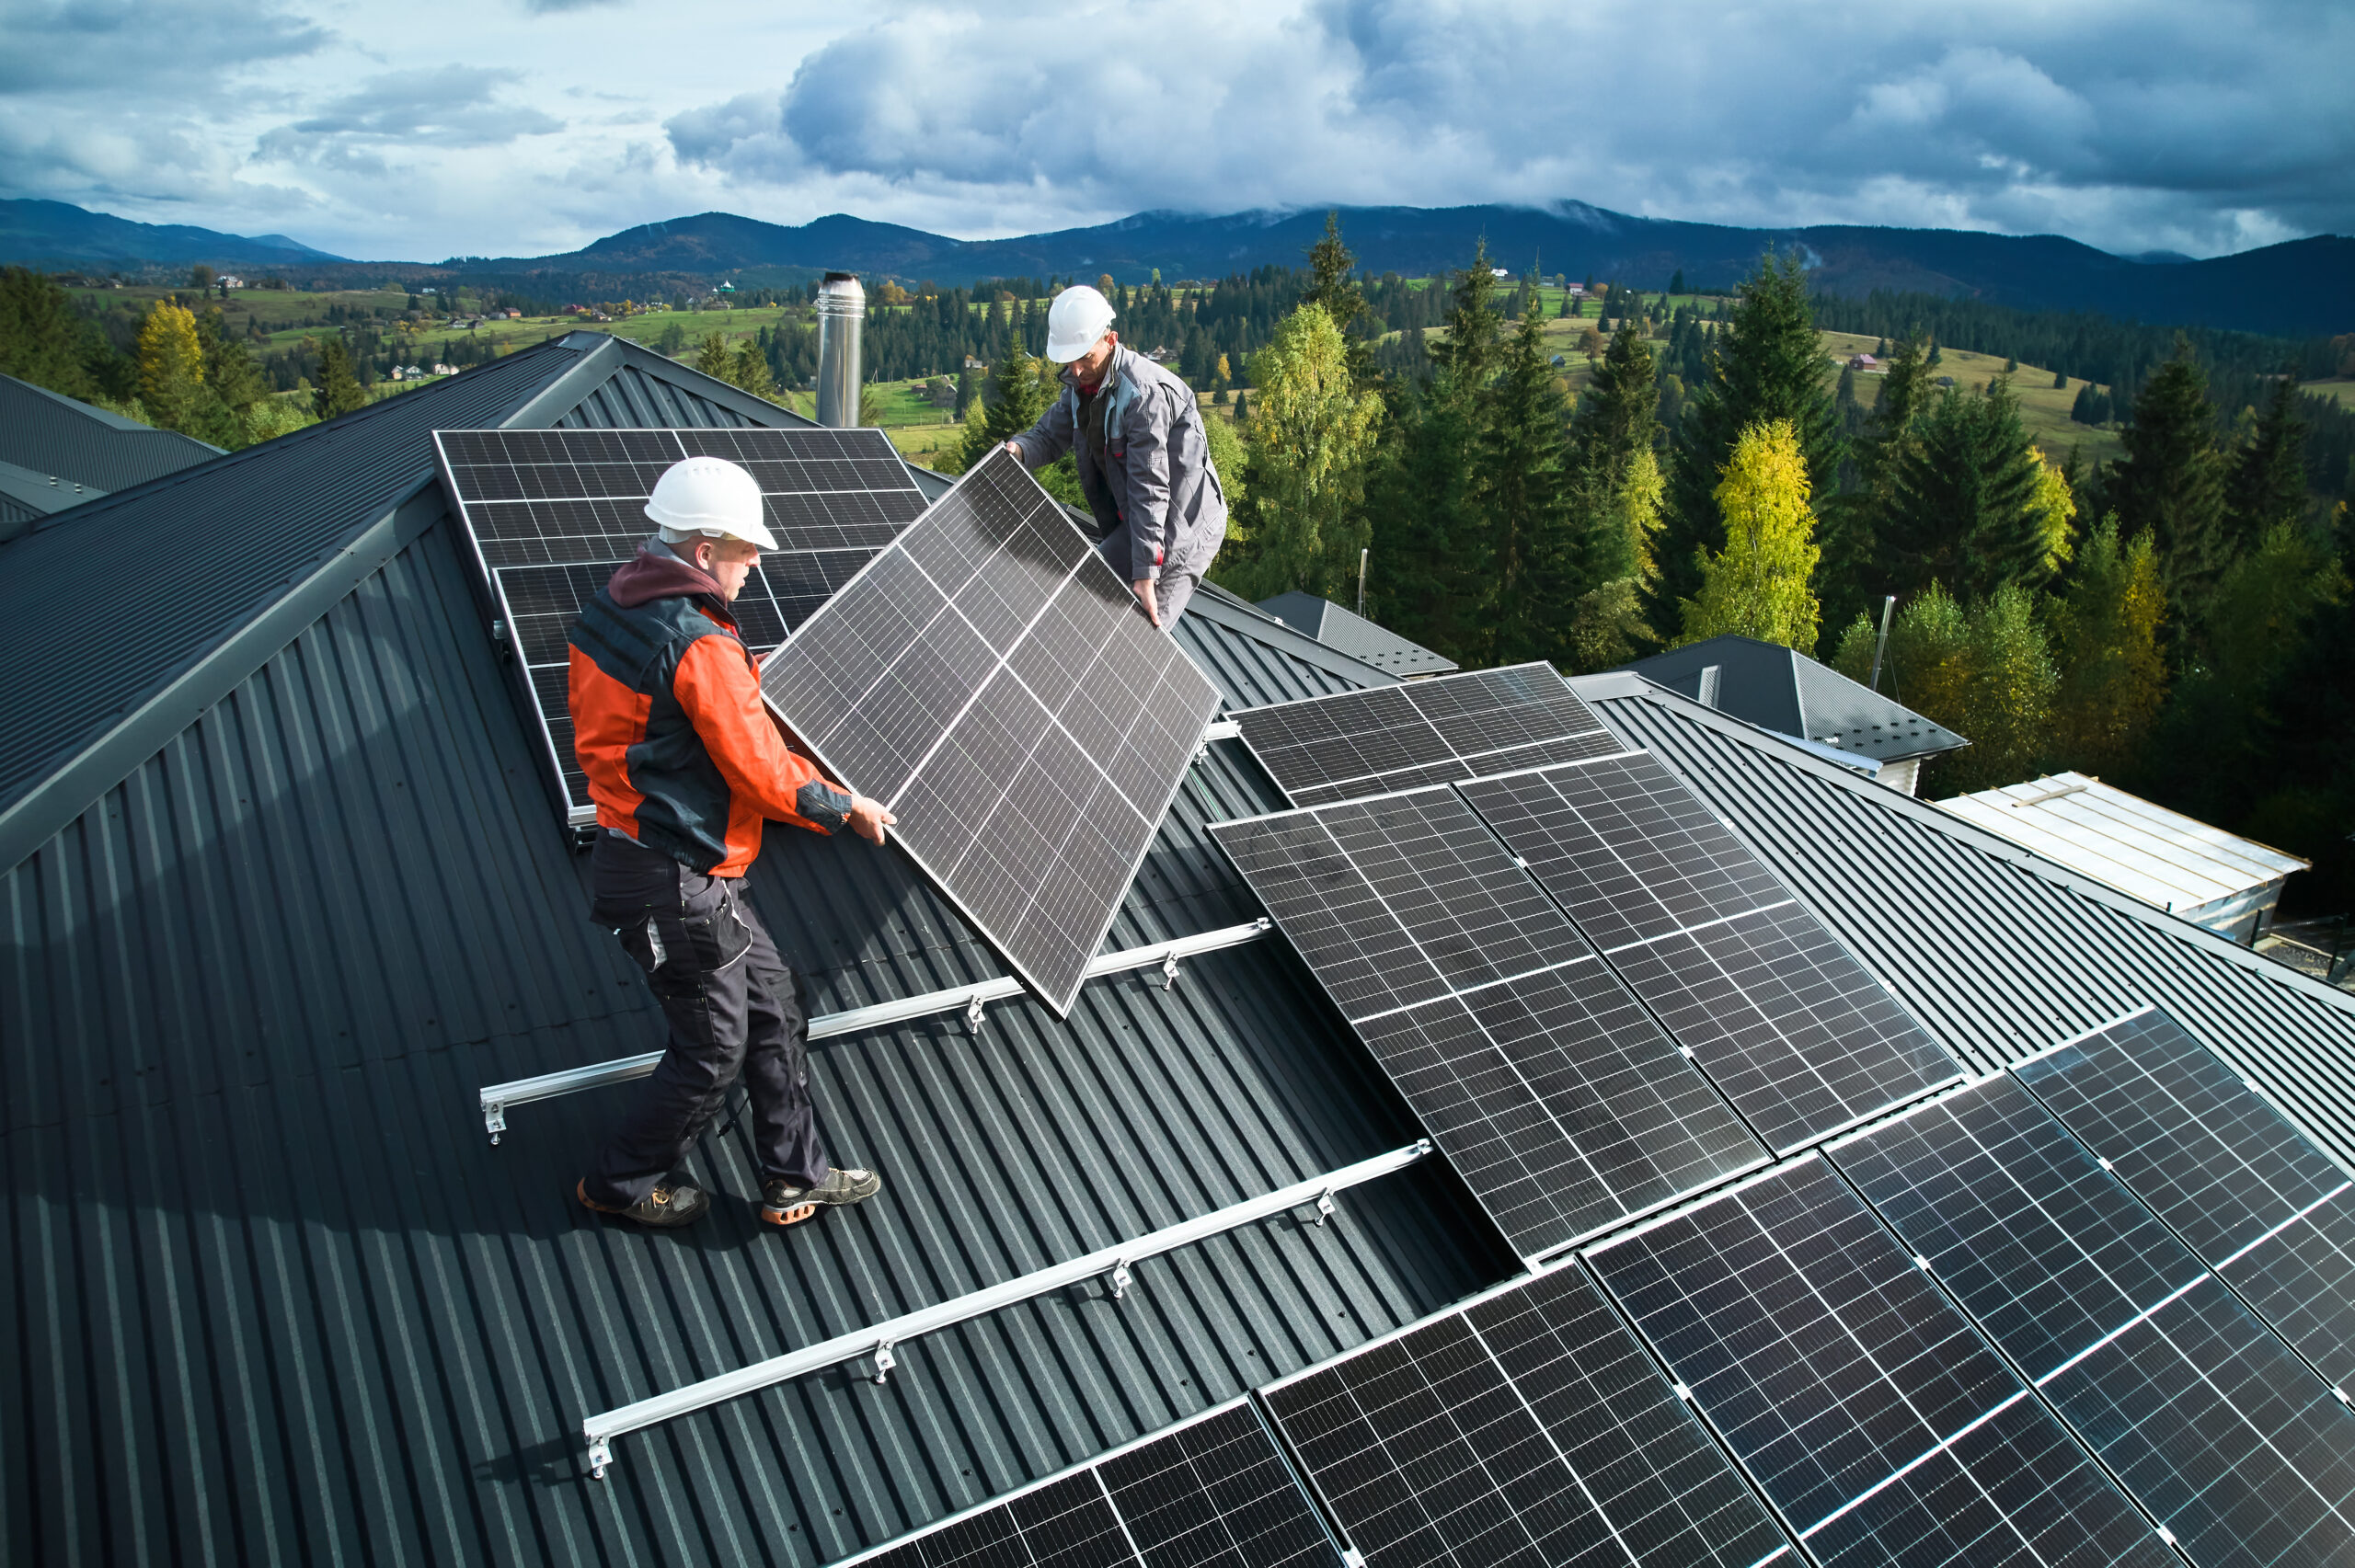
(1501, 271)
(1346, 632)
(2219, 880)
(1863, 363)
(230, 280)
(1777, 689)
(1576, 289)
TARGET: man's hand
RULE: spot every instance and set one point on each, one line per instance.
(1145, 594)
(869, 819)
(1016, 448)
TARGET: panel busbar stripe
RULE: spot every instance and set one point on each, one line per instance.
(2224, 1436)
(2244, 1187)
(553, 512)
(992, 680)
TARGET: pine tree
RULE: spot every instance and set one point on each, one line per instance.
(712, 357)
(1768, 367)
(340, 391)
(2060, 381)
(171, 364)
(1759, 584)
(41, 339)
(1307, 448)
(1963, 509)
(2269, 479)
(2172, 483)
(1016, 395)
(2106, 632)
(748, 369)
(1526, 505)
(1676, 284)
(969, 387)
(1607, 623)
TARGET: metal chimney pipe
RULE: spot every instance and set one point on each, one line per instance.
(842, 316)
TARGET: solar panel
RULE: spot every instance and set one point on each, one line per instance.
(1561, 1104)
(1424, 732)
(992, 680)
(1799, 1036)
(2244, 1187)
(553, 512)
(2225, 1436)
(1863, 1404)
(1213, 1493)
(1528, 1428)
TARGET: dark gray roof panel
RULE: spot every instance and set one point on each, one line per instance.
(1774, 688)
(1249, 654)
(1354, 635)
(51, 434)
(281, 1300)
(1997, 952)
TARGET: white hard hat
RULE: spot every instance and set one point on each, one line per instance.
(1078, 318)
(710, 497)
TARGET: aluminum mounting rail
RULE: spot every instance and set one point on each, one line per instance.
(877, 1340)
(967, 1000)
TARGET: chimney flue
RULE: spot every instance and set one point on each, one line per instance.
(842, 315)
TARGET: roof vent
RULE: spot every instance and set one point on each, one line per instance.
(1708, 694)
(842, 316)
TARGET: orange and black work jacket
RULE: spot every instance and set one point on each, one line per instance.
(668, 724)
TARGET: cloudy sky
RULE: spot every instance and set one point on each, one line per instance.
(519, 127)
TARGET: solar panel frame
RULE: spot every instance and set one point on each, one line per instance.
(549, 514)
(1790, 1025)
(1863, 1404)
(1561, 1100)
(2225, 1436)
(1384, 739)
(1601, 1460)
(956, 730)
(1214, 1490)
(2257, 1200)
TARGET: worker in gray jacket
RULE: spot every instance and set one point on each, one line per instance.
(1144, 461)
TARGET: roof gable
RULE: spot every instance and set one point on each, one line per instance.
(1352, 633)
(1776, 687)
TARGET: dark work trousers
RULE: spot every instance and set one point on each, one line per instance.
(733, 1006)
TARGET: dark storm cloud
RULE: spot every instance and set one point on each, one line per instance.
(142, 49)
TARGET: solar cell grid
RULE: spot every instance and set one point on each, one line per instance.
(1800, 1037)
(1436, 731)
(1547, 1086)
(1862, 1401)
(2250, 1194)
(990, 680)
(1528, 1428)
(1213, 1493)
(553, 512)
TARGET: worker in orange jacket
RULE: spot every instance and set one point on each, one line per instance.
(685, 766)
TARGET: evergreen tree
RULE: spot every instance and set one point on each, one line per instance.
(2105, 631)
(2060, 381)
(713, 358)
(1018, 394)
(171, 365)
(969, 387)
(1305, 453)
(42, 340)
(2269, 479)
(339, 391)
(1759, 584)
(748, 369)
(1607, 623)
(2091, 408)
(2172, 483)
(1526, 455)
(1964, 504)
(1676, 284)
(1768, 367)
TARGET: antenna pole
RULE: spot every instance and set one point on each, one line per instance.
(1882, 646)
(1362, 553)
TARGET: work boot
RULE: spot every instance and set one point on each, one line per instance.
(781, 1203)
(667, 1207)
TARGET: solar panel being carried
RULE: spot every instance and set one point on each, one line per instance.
(1861, 1402)
(2225, 1436)
(1800, 1037)
(2248, 1192)
(1554, 1094)
(993, 682)
(1426, 732)
(1528, 1426)
(1213, 1493)
(553, 512)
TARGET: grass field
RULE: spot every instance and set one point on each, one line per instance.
(2044, 408)
(2340, 391)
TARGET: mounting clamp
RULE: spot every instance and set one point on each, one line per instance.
(1121, 1279)
(973, 1016)
(1323, 1207)
(494, 1120)
(1170, 971)
(601, 1454)
(884, 1361)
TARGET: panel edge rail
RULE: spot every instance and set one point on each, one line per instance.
(877, 1341)
(496, 1098)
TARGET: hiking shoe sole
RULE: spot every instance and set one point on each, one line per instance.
(664, 1209)
(783, 1204)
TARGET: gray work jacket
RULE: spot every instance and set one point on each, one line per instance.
(1158, 500)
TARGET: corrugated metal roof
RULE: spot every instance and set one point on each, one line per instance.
(1779, 689)
(276, 1298)
(1354, 635)
(1997, 951)
(2167, 860)
(51, 434)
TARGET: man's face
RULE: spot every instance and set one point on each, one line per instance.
(1090, 365)
(730, 561)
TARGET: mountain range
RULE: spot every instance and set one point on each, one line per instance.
(2298, 288)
